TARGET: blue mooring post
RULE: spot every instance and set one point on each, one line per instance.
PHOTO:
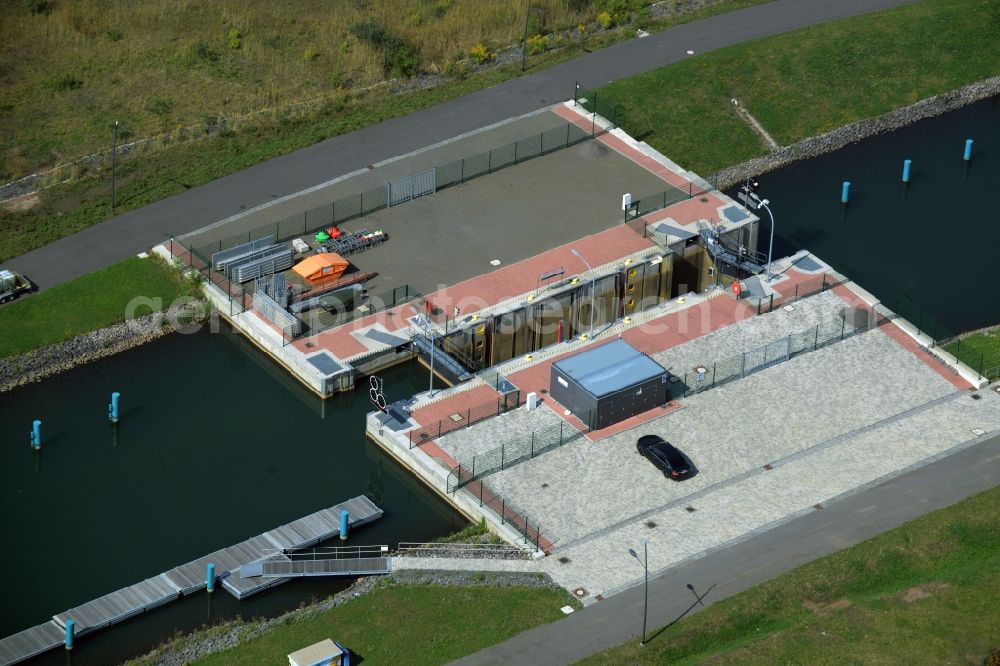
(210, 577)
(845, 192)
(967, 156)
(36, 434)
(343, 524)
(113, 407)
(906, 170)
(68, 641)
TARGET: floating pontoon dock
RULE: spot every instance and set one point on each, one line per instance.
(169, 586)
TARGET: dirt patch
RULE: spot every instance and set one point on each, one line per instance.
(821, 609)
(22, 203)
(918, 592)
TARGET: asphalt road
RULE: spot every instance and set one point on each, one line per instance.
(748, 563)
(133, 232)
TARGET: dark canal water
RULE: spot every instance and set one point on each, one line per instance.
(215, 445)
(939, 244)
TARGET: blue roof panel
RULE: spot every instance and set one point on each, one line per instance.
(609, 368)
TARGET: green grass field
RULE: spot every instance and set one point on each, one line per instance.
(410, 624)
(88, 303)
(808, 82)
(979, 350)
(48, 116)
(925, 593)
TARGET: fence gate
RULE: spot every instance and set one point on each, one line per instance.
(412, 187)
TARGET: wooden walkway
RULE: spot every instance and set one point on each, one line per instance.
(136, 599)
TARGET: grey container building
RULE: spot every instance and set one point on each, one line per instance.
(608, 384)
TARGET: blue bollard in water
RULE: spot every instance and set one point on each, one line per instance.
(906, 170)
(68, 641)
(36, 434)
(845, 192)
(968, 150)
(113, 407)
(210, 577)
(343, 525)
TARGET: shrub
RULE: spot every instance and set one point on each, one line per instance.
(480, 54)
(537, 44)
(398, 56)
(40, 6)
(310, 54)
(114, 35)
(604, 20)
(457, 68)
(204, 52)
(235, 39)
(67, 82)
(582, 29)
(160, 107)
(415, 20)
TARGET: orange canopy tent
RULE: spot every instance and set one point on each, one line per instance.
(321, 266)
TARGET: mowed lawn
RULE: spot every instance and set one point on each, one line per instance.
(925, 593)
(410, 624)
(980, 351)
(809, 81)
(90, 302)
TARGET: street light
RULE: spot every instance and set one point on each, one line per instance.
(645, 565)
(770, 247)
(524, 48)
(593, 289)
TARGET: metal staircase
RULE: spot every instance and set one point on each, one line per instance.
(722, 250)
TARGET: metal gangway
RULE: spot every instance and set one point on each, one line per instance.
(332, 561)
(722, 250)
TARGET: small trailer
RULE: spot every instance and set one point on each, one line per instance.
(13, 285)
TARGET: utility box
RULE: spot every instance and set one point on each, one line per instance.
(608, 384)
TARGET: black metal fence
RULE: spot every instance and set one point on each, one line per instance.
(808, 287)
(318, 323)
(654, 202)
(375, 199)
(512, 452)
(471, 415)
(854, 322)
(612, 113)
(944, 338)
(509, 514)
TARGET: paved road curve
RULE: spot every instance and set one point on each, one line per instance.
(753, 561)
(116, 239)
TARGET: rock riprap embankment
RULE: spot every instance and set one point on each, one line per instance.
(38, 364)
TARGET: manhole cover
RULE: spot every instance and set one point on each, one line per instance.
(543, 391)
(456, 417)
(563, 560)
(768, 467)
(650, 524)
(580, 592)
(704, 199)
(690, 509)
(976, 396)
(817, 506)
(310, 345)
(424, 435)
(545, 485)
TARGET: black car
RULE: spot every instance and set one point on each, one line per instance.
(666, 457)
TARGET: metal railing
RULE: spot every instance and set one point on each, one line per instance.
(375, 199)
(654, 202)
(461, 550)
(385, 300)
(809, 287)
(508, 513)
(943, 337)
(512, 452)
(471, 415)
(782, 349)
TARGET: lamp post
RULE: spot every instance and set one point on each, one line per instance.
(645, 599)
(593, 289)
(114, 149)
(524, 48)
(770, 246)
